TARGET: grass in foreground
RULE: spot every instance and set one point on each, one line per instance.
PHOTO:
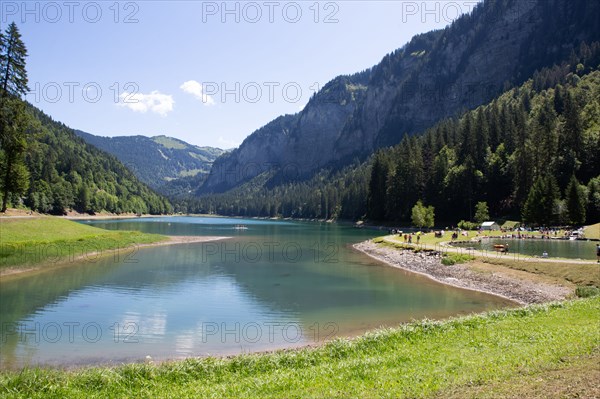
(575, 377)
(49, 240)
(422, 359)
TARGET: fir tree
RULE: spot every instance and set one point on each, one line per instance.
(377, 189)
(13, 119)
(13, 75)
(540, 207)
(575, 202)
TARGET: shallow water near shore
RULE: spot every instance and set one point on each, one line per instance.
(273, 284)
(576, 249)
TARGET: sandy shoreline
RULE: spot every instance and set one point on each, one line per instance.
(525, 292)
(171, 240)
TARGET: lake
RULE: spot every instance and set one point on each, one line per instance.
(576, 249)
(277, 284)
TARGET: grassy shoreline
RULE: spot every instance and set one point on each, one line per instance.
(592, 231)
(28, 244)
(32, 245)
(420, 359)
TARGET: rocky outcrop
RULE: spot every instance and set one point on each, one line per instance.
(293, 145)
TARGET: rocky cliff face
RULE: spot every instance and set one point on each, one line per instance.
(441, 73)
(436, 75)
(260, 152)
(293, 145)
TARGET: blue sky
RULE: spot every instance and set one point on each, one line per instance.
(209, 73)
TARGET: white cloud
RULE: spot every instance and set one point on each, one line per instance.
(194, 88)
(155, 102)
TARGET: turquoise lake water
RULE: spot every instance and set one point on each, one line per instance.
(276, 284)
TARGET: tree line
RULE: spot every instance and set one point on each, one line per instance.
(330, 194)
(532, 154)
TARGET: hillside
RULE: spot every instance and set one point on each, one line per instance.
(546, 128)
(532, 154)
(436, 75)
(66, 173)
(168, 165)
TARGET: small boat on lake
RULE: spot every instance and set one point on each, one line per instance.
(240, 227)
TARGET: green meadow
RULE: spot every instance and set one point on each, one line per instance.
(45, 241)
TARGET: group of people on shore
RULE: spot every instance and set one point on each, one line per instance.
(545, 235)
(520, 236)
(408, 238)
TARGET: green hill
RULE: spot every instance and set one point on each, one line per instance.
(66, 174)
(168, 165)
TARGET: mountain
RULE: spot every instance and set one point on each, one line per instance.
(66, 173)
(168, 165)
(532, 154)
(293, 145)
(436, 75)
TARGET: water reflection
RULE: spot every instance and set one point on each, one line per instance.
(277, 284)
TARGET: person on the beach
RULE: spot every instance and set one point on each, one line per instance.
(598, 252)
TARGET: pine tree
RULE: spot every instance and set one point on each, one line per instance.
(14, 177)
(398, 183)
(570, 140)
(481, 129)
(543, 138)
(498, 180)
(468, 145)
(593, 209)
(13, 118)
(13, 76)
(575, 202)
(377, 188)
(406, 182)
(539, 209)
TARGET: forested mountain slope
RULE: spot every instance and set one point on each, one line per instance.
(436, 75)
(67, 173)
(532, 153)
(164, 163)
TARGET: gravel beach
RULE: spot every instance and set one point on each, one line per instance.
(519, 290)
